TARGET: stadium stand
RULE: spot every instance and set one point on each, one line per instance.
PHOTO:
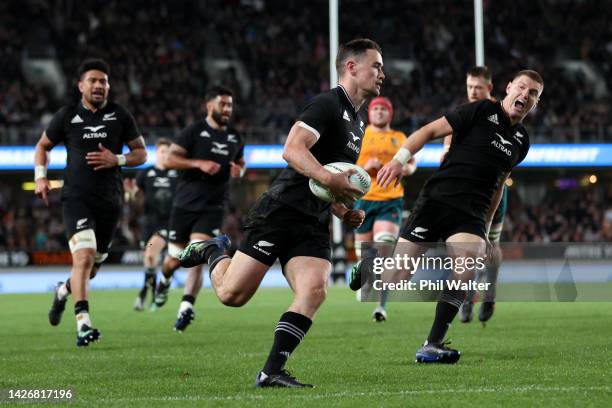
(163, 61)
(583, 215)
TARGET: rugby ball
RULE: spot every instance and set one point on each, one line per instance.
(361, 180)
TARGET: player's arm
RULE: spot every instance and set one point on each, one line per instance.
(237, 167)
(497, 196)
(133, 188)
(447, 144)
(392, 171)
(177, 159)
(297, 154)
(105, 159)
(137, 154)
(352, 218)
(41, 162)
(409, 168)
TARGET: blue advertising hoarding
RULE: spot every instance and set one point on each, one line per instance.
(271, 156)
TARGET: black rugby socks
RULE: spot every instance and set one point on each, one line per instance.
(446, 310)
(289, 332)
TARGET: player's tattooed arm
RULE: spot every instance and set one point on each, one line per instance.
(41, 162)
(178, 159)
(138, 152)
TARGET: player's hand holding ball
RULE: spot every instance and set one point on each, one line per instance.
(346, 183)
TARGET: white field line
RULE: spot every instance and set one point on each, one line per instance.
(351, 394)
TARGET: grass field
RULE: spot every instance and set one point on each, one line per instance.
(531, 354)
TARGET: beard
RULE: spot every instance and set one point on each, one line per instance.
(219, 118)
(97, 103)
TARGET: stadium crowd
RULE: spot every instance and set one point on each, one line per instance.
(583, 215)
(159, 54)
(27, 224)
(562, 216)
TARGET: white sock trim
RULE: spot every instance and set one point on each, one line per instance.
(83, 319)
(184, 306)
(62, 292)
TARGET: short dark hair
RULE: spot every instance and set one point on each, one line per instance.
(216, 90)
(93, 63)
(530, 73)
(162, 141)
(354, 48)
(480, 71)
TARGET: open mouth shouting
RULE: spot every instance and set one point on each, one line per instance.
(520, 105)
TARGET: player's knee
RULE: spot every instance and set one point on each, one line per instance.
(150, 258)
(233, 298)
(83, 259)
(83, 248)
(316, 295)
(496, 257)
(170, 265)
(319, 294)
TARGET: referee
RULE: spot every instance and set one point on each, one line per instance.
(94, 132)
(289, 223)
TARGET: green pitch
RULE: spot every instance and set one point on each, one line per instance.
(530, 354)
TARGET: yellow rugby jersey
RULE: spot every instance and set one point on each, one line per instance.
(383, 146)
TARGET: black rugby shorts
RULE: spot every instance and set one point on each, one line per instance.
(81, 214)
(431, 220)
(284, 234)
(184, 222)
(155, 227)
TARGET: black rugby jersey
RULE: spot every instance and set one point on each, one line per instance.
(81, 130)
(196, 190)
(158, 188)
(331, 116)
(484, 148)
